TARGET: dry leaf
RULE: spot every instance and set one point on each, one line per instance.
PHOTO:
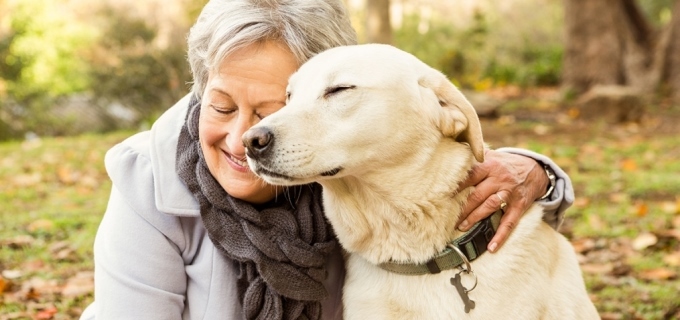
(18, 242)
(670, 207)
(672, 259)
(573, 112)
(644, 240)
(40, 225)
(581, 202)
(27, 180)
(47, 313)
(597, 268)
(65, 175)
(79, 285)
(641, 209)
(658, 274)
(629, 165)
(583, 245)
(596, 222)
(4, 284)
(618, 197)
(12, 274)
(676, 222)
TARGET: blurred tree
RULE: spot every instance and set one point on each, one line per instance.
(612, 42)
(378, 27)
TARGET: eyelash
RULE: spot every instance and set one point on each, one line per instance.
(230, 111)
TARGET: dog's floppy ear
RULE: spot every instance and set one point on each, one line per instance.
(457, 118)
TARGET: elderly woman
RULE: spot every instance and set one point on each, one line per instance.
(191, 233)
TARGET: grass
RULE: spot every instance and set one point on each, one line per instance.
(627, 182)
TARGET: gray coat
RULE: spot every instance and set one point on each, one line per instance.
(153, 257)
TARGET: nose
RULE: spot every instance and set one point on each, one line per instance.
(258, 141)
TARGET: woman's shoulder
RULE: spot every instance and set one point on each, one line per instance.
(142, 167)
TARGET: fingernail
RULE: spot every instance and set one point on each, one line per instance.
(463, 225)
(493, 246)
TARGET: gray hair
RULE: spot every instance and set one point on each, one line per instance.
(307, 27)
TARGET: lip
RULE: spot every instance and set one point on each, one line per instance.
(233, 164)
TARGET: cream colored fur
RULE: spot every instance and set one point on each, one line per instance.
(403, 138)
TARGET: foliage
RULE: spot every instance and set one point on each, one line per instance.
(42, 62)
(486, 51)
(127, 65)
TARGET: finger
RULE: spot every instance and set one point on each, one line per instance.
(508, 223)
(476, 175)
(489, 205)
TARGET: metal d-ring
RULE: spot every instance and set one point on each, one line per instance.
(468, 267)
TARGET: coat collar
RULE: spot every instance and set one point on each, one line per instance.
(171, 195)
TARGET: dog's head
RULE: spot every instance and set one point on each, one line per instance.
(355, 109)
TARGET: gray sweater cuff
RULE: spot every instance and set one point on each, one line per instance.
(563, 195)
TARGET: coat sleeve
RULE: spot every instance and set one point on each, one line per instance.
(139, 266)
(563, 195)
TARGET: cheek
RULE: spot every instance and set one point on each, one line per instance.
(210, 131)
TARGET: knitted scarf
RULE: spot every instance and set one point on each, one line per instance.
(279, 248)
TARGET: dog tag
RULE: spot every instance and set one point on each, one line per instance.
(456, 282)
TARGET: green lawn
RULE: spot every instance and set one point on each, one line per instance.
(53, 193)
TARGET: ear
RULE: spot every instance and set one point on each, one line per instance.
(457, 118)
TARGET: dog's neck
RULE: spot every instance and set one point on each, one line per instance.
(406, 217)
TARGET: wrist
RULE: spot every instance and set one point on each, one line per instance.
(552, 181)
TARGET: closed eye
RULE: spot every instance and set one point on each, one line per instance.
(333, 90)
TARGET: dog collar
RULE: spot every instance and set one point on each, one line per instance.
(472, 244)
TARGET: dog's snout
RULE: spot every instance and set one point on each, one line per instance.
(258, 141)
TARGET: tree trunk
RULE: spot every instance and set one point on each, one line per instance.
(610, 42)
(378, 28)
(672, 62)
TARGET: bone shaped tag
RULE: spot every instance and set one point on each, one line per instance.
(456, 282)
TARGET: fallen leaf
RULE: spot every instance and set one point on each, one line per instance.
(644, 240)
(27, 180)
(676, 222)
(658, 274)
(596, 222)
(47, 313)
(79, 285)
(573, 112)
(40, 225)
(610, 316)
(583, 245)
(581, 202)
(4, 285)
(629, 165)
(18, 242)
(66, 175)
(672, 259)
(597, 268)
(12, 274)
(641, 209)
(670, 207)
(618, 197)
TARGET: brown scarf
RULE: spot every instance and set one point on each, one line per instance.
(279, 248)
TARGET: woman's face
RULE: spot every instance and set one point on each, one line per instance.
(250, 84)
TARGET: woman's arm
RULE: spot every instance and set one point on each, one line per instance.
(519, 178)
(139, 270)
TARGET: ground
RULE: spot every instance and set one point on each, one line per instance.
(624, 224)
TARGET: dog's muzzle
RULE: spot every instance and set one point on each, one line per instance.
(258, 142)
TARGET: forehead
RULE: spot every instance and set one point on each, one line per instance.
(268, 61)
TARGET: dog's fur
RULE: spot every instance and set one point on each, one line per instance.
(390, 139)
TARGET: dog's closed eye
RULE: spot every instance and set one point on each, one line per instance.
(336, 89)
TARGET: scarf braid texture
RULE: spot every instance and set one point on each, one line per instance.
(279, 249)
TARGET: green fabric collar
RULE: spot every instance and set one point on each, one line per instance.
(472, 243)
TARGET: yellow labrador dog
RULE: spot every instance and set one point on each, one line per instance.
(390, 139)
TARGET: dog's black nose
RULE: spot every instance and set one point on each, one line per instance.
(257, 141)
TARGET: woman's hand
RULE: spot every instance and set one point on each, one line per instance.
(515, 179)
